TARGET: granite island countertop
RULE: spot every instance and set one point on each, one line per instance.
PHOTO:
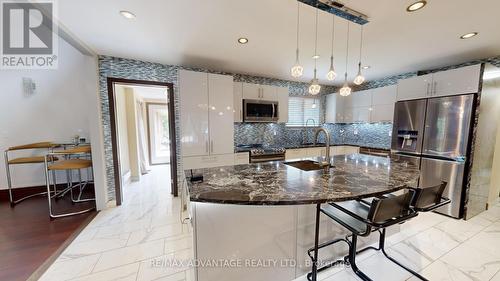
(275, 183)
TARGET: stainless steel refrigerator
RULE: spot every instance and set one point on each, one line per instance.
(434, 133)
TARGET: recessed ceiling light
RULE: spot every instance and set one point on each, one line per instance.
(469, 35)
(127, 15)
(416, 6)
(366, 67)
(315, 57)
(242, 40)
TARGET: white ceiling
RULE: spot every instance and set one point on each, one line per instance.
(201, 33)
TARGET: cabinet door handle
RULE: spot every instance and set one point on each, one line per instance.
(212, 146)
(206, 146)
(428, 87)
(435, 86)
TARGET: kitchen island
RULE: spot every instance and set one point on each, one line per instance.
(274, 206)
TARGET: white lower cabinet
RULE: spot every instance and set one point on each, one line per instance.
(298, 153)
(199, 162)
(241, 158)
(295, 153)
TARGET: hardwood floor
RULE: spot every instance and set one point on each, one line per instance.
(28, 237)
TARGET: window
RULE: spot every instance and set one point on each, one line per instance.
(302, 110)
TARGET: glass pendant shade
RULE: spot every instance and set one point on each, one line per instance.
(297, 70)
(359, 78)
(345, 90)
(314, 88)
(331, 74)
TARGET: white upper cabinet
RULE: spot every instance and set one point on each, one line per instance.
(361, 98)
(238, 101)
(383, 101)
(251, 91)
(259, 92)
(361, 114)
(269, 93)
(206, 109)
(193, 89)
(331, 109)
(220, 98)
(382, 113)
(282, 97)
(415, 87)
(464, 80)
(384, 95)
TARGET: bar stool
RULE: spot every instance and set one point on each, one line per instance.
(76, 152)
(72, 161)
(24, 161)
(362, 217)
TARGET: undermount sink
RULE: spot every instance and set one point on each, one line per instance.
(306, 165)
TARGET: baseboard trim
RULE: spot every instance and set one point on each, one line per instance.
(20, 192)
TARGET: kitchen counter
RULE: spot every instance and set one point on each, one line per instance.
(275, 183)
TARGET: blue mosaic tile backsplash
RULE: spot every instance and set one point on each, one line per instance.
(375, 135)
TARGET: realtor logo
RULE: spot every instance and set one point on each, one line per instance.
(28, 35)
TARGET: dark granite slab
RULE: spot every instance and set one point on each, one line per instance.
(274, 183)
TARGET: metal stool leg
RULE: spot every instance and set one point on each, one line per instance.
(9, 182)
(352, 259)
(12, 200)
(52, 215)
(382, 244)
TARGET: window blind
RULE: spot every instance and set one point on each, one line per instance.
(301, 109)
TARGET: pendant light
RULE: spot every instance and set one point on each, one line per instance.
(360, 78)
(346, 90)
(297, 70)
(331, 74)
(314, 88)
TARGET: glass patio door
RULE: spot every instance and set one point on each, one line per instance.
(159, 142)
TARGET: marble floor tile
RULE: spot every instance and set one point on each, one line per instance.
(166, 265)
(461, 230)
(496, 277)
(377, 267)
(409, 256)
(432, 243)
(151, 234)
(129, 255)
(70, 269)
(441, 271)
(95, 246)
(122, 273)
(473, 262)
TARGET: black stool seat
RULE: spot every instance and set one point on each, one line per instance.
(345, 219)
(361, 217)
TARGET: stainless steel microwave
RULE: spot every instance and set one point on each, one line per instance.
(260, 111)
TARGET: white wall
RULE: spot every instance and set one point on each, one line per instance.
(65, 104)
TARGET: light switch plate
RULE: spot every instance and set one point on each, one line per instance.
(29, 87)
